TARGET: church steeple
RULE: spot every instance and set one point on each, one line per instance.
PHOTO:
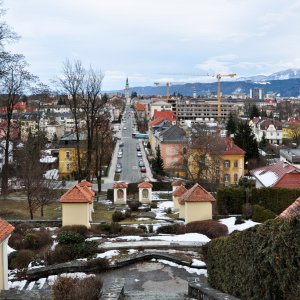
(127, 91)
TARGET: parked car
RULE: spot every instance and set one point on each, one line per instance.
(143, 169)
(121, 144)
(139, 154)
(118, 168)
(138, 148)
(124, 128)
(120, 154)
(141, 163)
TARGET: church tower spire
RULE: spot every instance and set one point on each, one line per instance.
(127, 91)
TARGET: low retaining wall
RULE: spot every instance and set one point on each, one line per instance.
(82, 266)
(199, 289)
(38, 223)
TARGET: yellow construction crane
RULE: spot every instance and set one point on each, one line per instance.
(219, 76)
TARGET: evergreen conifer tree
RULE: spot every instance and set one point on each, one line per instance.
(263, 142)
(158, 164)
(254, 112)
(231, 125)
(245, 139)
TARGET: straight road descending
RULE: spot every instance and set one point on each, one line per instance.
(131, 171)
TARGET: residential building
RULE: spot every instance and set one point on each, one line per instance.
(52, 128)
(2, 150)
(270, 128)
(14, 130)
(221, 163)
(28, 125)
(281, 174)
(291, 156)
(257, 93)
(159, 106)
(5, 231)
(68, 154)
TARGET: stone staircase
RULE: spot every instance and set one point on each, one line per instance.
(155, 296)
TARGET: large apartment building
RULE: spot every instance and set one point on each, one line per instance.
(202, 110)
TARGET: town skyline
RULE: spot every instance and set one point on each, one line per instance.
(151, 41)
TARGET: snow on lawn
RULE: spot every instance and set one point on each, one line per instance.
(132, 251)
(95, 238)
(160, 210)
(108, 254)
(51, 174)
(188, 237)
(17, 285)
(127, 238)
(198, 263)
(229, 222)
(10, 249)
(189, 270)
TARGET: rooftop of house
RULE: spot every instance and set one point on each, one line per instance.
(273, 174)
(166, 114)
(173, 134)
(292, 211)
(5, 230)
(196, 194)
(120, 185)
(140, 107)
(77, 194)
(264, 124)
(145, 184)
(179, 191)
(178, 182)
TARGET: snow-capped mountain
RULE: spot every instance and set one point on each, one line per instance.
(286, 74)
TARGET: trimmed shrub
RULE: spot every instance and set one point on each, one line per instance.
(30, 239)
(261, 262)
(129, 230)
(169, 229)
(262, 214)
(210, 228)
(101, 228)
(20, 259)
(99, 264)
(247, 210)
(127, 213)
(134, 205)
(66, 252)
(81, 229)
(114, 228)
(69, 237)
(67, 288)
(23, 227)
(153, 205)
(117, 216)
(110, 194)
(239, 220)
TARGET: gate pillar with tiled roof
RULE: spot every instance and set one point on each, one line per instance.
(145, 192)
(120, 193)
(5, 231)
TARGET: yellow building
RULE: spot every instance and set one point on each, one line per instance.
(196, 204)
(68, 154)
(291, 130)
(27, 126)
(77, 206)
(222, 164)
(5, 231)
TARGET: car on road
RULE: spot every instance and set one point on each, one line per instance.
(143, 169)
(118, 168)
(120, 154)
(138, 148)
(121, 144)
(124, 128)
(139, 154)
(141, 163)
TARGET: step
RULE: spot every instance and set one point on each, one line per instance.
(155, 296)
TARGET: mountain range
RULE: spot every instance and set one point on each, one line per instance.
(284, 84)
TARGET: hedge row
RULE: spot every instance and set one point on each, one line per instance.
(259, 263)
(231, 199)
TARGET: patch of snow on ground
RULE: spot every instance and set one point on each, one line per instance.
(108, 254)
(54, 245)
(143, 219)
(188, 237)
(80, 275)
(10, 250)
(41, 283)
(198, 263)
(189, 270)
(17, 285)
(95, 238)
(127, 238)
(230, 223)
(30, 285)
(132, 251)
(51, 174)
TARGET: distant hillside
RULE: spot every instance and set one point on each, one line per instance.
(286, 88)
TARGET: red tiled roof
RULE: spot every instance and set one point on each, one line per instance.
(292, 211)
(145, 184)
(279, 169)
(85, 183)
(166, 114)
(140, 106)
(5, 230)
(88, 190)
(264, 124)
(289, 180)
(196, 194)
(179, 191)
(231, 147)
(77, 194)
(178, 182)
(120, 185)
(156, 122)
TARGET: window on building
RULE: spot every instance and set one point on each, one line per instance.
(68, 167)
(227, 178)
(236, 163)
(227, 163)
(67, 154)
(235, 177)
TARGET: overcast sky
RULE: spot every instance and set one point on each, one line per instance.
(157, 40)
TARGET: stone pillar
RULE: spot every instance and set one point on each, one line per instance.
(145, 192)
(120, 193)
